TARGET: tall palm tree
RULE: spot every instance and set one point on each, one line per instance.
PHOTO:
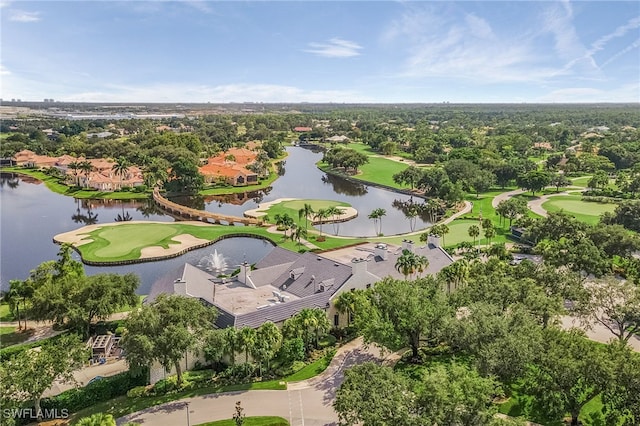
(75, 166)
(230, 343)
(412, 215)
(422, 263)
(374, 216)
(19, 291)
(305, 212)
(121, 168)
(321, 215)
(86, 167)
(247, 340)
(334, 212)
(380, 214)
(474, 232)
(299, 234)
(268, 342)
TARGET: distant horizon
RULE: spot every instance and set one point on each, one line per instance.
(54, 102)
(374, 52)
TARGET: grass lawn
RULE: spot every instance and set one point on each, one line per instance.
(310, 370)
(9, 336)
(5, 313)
(251, 421)
(585, 211)
(111, 244)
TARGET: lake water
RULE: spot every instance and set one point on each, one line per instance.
(30, 216)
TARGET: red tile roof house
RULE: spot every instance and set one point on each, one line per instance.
(302, 129)
(102, 177)
(231, 167)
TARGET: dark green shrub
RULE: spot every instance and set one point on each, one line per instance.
(137, 392)
(98, 391)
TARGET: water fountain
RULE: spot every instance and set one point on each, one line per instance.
(213, 262)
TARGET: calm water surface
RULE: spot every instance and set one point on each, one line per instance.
(30, 215)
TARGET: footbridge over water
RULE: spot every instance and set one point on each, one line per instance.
(201, 215)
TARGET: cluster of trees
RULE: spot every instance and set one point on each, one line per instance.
(346, 158)
(590, 249)
(59, 291)
(172, 326)
(499, 330)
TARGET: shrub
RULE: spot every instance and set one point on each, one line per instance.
(140, 188)
(327, 341)
(137, 392)
(98, 391)
(165, 386)
(239, 373)
(292, 350)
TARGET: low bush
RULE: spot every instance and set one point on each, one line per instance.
(327, 341)
(98, 391)
(137, 392)
(239, 373)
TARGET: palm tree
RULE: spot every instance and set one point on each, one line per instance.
(474, 232)
(121, 168)
(86, 167)
(422, 263)
(411, 214)
(334, 212)
(321, 215)
(19, 291)
(374, 216)
(406, 263)
(380, 214)
(299, 234)
(305, 212)
(268, 342)
(75, 166)
(230, 343)
(455, 275)
(247, 340)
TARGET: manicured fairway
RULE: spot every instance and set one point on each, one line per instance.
(112, 245)
(584, 211)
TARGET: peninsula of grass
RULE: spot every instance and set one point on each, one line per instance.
(292, 207)
(123, 242)
(584, 211)
(251, 421)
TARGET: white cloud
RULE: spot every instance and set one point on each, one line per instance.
(4, 3)
(438, 45)
(335, 48)
(24, 16)
(623, 52)
(222, 93)
(4, 70)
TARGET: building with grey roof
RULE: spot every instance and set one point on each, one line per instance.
(283, 282)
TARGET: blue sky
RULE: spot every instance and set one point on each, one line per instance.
(332, 51)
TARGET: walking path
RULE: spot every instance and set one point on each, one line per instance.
(536, 204)
(305, 403)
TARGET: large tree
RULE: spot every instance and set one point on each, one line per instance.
(615, 305)
(26, 377)
(79, 300)
(409, 176)
(403, 313)
(568, 372)
(374, 395)
(165, 331)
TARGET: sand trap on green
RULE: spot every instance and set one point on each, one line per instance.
(138, 240)
(585, 211)
(291, 206)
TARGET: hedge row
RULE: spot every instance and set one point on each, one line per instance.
(98, 391)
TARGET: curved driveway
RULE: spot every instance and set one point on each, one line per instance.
(306, 403)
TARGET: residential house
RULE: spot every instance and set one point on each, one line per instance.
(231, 167)
(283, 283)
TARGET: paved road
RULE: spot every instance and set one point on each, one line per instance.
(306, 403)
